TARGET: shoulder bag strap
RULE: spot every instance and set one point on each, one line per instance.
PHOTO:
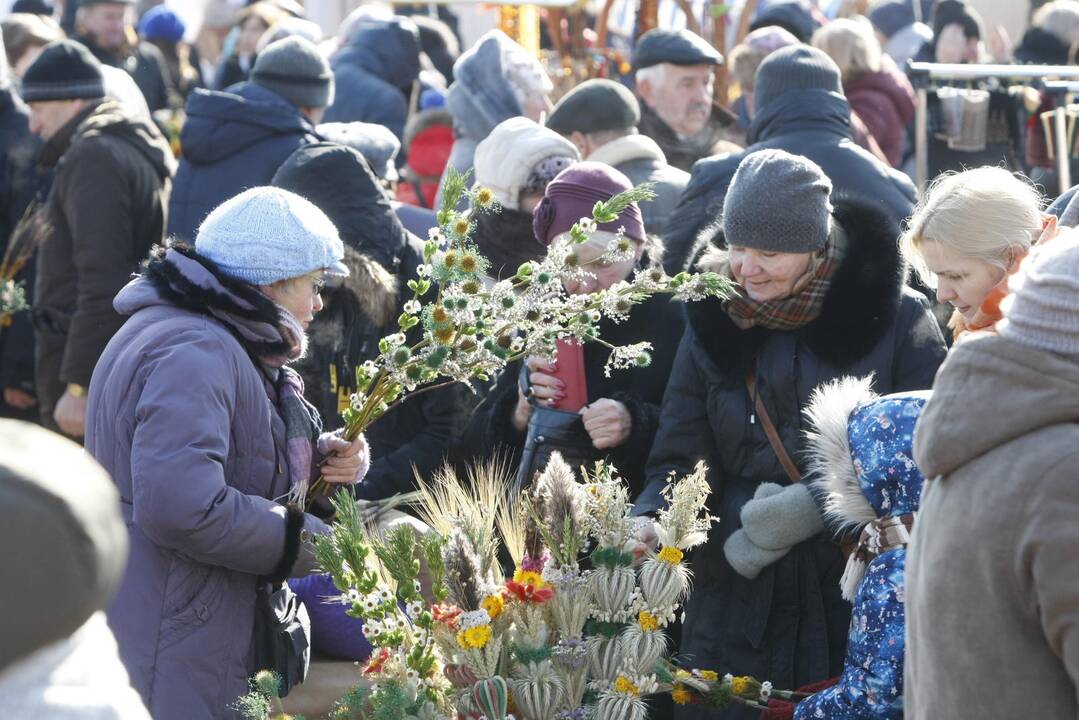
(770, 431)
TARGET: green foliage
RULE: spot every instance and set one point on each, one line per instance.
(431, 545)
(351, 706)
(605, 212)
(396, 552)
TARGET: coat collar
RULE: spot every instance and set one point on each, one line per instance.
(626, 149)
(858, 309)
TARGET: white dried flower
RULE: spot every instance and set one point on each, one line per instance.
(412, 306)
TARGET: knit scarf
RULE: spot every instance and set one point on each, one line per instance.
(877, 538)
(302, 422)
(803, 305)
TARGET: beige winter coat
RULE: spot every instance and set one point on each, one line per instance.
(993, 568)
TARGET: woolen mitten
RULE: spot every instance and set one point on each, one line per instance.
(780, 519)
(746, 558)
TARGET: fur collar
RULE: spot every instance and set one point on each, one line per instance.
(374, 287)
(627, 148)
(231, 298)
(858, 308)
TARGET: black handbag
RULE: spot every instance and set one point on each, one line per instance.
(551, 431)
(282, 634)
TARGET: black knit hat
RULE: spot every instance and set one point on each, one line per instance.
(33, 7)
(65, 70)
(950, 12)
(594, 106)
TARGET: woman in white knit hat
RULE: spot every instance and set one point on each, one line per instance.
(992, 569)
(969, 233)
(516, 162)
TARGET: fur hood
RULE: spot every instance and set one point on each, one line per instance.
(626, 149)
(864, 297)
(373, 286)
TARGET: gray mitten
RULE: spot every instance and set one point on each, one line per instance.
(774, 521)
(778, 518)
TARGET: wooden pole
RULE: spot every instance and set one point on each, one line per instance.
(744, 20)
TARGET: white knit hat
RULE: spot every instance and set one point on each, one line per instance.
(1043, 309)
(267, 234)
(507, 156)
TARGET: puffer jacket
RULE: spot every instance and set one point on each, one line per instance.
(374, 74)
(231, 141)
(884, 100)
(106, 209)
(189, 428)
(789, 624)
(811, 123)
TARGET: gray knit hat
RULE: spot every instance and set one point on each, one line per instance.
(65, 70)
(798, 67)
(1043, 310)
(67, 544)
(267, 234)
(295, 69)
(778, 202)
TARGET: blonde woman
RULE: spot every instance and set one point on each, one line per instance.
(969, 233)
(878, 92)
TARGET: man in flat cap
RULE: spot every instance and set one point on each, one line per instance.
(675, 82)
(600, 117)
(107, 28)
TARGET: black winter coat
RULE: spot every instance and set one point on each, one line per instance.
(231, 141)
(18, 185)
(382, 257)
(105, 211)
(812, 123)
(658, 320)
(789, 625)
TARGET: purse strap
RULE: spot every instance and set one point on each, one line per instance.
(770, 431)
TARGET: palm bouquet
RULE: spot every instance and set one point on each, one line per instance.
(456, 327)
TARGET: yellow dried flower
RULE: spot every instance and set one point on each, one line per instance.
(439, 315)
(625, 686)
(446, 334)
(469, 263)
(740, 685)
(529, 577)
(484, 197)
(647, 621)
(671, 555)
(449, 259)
(493, 604)
(681, 696)
(461, 226)
(474, 638)
(708, 675)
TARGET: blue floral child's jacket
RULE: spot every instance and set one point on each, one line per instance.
(861, 450)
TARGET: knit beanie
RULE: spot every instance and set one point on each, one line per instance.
(267, 234)
(162, 23)
(33, 7)
(1043, 310)
(799, 67)
(778, 202)
(952, 12)
(294, 69)
(891, 17)
(572, 195)
(66, 539)
(65, 70)
(506, 158)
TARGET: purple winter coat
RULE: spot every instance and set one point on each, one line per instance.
(184, 422)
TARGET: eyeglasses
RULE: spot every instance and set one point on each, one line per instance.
(318, 284)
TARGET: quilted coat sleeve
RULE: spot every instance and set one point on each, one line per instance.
(181, 496)
(920, 346)
(871, 687)
(684, 435)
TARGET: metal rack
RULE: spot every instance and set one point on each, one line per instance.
(922, 75)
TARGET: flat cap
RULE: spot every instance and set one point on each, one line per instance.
(679, 47)
(595, 106)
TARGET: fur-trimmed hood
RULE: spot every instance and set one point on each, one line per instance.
(859, 307)
(373, 286)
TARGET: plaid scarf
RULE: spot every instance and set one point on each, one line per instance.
(803, 305)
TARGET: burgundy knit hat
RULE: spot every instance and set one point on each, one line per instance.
(573, 193)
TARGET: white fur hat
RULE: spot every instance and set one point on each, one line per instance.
(507, 156)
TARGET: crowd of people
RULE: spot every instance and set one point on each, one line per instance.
(220, 236)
